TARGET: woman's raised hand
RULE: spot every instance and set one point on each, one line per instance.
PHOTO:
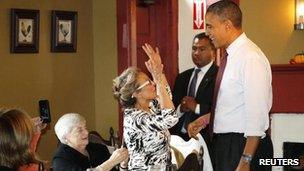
(154, 65)
(152, 54)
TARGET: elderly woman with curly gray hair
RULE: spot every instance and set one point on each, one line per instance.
(76, 153)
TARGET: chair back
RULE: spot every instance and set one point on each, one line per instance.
(191, 163)
(187, 147)
(32, 167)
(177, 157)
(95, 137)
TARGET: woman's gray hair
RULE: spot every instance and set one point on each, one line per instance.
(125, 85)
(65, 124)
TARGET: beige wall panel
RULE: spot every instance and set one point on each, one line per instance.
(65, 79)
(270, 25)
(105, 65)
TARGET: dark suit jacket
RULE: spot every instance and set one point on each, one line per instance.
(204, 96)
(67, 158)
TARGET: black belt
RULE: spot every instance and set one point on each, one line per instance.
(228, 134)
(232, 134)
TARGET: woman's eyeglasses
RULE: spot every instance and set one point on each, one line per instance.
(145, 84)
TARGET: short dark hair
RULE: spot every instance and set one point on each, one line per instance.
(227, 9)
(201, 36)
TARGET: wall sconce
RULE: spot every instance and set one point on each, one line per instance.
(299, 18)
(146, 3)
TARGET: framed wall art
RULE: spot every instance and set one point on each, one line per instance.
(24, 31)
(64, 31)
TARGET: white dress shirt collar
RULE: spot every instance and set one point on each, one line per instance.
(233, 47)
(204, 68)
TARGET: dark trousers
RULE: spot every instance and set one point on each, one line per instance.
(227, 149)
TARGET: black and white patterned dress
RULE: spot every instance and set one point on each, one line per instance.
(147, 137)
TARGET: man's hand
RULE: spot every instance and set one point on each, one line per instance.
(196, 126)
(243, 166)
(188, 104)
(183, 107)
(252, 143)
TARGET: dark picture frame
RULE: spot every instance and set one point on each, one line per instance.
(64, 31)
(24, 31)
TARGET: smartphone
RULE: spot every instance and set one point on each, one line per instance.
(45, 113)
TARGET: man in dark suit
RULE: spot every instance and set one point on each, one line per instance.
(193, 88)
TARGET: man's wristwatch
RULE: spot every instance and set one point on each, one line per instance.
(246, 158)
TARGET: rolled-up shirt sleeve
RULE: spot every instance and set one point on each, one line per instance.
(257, 95)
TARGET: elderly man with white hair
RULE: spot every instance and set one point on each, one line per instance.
(75, 152)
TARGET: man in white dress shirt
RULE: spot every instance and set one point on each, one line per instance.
(244, 96)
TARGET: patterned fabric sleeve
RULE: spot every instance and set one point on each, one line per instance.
(151, 122)
(155, 106)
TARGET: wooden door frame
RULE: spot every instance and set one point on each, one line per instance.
(126, 33)
(126, 39)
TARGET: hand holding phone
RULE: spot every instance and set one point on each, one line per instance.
(39, 125)
(45, 113)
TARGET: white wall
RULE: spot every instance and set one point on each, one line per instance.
(186, 31)
(185, 34)
(285, 128)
